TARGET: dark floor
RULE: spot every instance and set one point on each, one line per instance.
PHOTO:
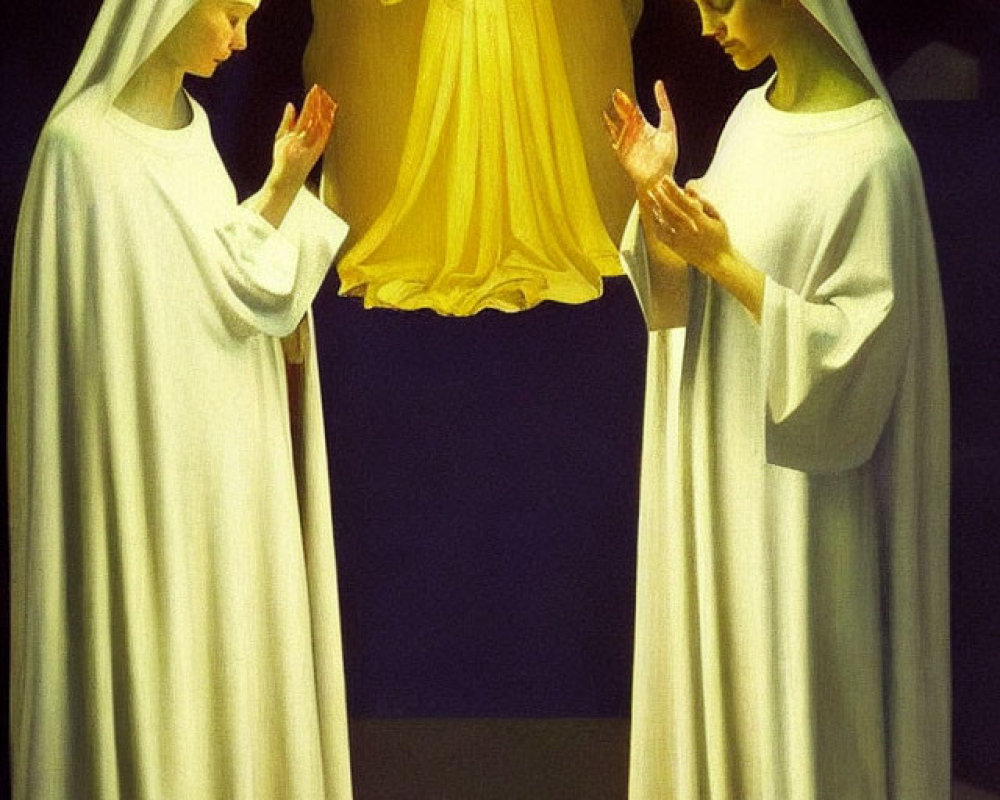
(501, 759)
(489, 759)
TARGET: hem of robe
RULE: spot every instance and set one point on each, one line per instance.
(508, 293)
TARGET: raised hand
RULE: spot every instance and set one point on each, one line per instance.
(298, 144)
(646, 153)
(301, 140)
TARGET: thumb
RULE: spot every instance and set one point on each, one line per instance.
(663, 103)
(287, 120)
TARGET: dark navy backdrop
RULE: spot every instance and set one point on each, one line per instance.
(485, 470)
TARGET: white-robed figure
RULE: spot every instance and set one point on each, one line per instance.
(792, 592)
(174, 612)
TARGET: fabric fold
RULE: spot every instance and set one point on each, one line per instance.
(174, 609)
(492, 205)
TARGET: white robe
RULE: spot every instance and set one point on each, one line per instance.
(175, 625)
(792, 591)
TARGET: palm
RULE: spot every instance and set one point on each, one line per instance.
(300, 142)
(645, 152)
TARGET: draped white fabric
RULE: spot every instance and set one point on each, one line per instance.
(792, 595)
(174, 612)
(836, 17)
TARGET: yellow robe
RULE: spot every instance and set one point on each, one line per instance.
(469, 153)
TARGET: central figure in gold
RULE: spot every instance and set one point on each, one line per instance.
(478, 175)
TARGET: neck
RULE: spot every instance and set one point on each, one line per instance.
(814, 73)
(154, 95)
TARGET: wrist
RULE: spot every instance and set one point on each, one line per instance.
(724, 264)
(274, 199)
(644, 183)
(740, 278)
(280, 183)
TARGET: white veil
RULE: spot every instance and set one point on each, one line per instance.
(836, 17)
(124, 35)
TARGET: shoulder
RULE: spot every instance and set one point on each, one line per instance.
(881, 153)
(880, 135)
(83, 158)
(78, 127)
(78, 141)
(861, 149)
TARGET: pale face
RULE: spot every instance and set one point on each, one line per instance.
(206, 36)
(748, 30)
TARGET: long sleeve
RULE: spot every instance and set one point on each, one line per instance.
(635, 262)
(274, 274)
(833, 355)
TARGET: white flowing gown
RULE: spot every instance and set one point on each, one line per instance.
(792, 595)
(175, 628)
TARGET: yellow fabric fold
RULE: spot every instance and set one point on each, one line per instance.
(493, 205)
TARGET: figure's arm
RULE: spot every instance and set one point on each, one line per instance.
(272, 275)
(648, 155)
(298, 145)
(831, 355)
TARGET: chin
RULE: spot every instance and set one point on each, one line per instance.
(745, 62)
(206, 71)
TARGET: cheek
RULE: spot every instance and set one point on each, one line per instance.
(748, 30)
(222, 36)
(737, 23)
(214, 39)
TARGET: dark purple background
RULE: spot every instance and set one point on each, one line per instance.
(485, 470)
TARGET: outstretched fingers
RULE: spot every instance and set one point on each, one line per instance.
(310, 111)
(308, 132)
(622, 104)
(325, 106)
(613, 128)
(626, 124)
(321, 110)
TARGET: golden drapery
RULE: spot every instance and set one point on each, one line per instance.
(469, 155)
